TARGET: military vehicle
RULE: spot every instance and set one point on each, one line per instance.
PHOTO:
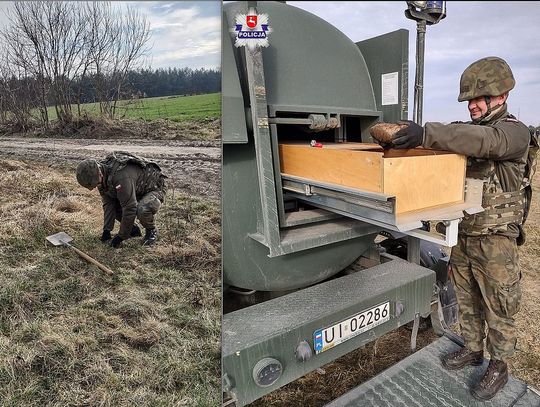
(292, 300)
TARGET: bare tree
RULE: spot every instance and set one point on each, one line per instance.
(22, 56)
(64, 43)
(16, 95)
(135, 31)
(47, 39)
(120, 41)
(103, 34)
(54, 46)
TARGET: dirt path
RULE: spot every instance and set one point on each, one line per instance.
(193, 166)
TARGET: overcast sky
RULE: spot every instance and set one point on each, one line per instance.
(470, 31)
(184, 33)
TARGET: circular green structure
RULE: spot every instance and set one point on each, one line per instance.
(309, 67)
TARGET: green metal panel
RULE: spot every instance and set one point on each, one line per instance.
(233, 118)
(386, 54)
(276, 327)
(251, 232)
(420, 380)
(310, 65)
(257, 252)
(245, 261)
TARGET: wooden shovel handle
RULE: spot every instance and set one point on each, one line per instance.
(93, 261)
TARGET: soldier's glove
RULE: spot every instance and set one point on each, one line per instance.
(135, 231)
(410, 137)
(116, 241)
(106, 236)
(384, 145)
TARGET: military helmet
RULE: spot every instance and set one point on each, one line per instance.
(489, 76)
(88, 173)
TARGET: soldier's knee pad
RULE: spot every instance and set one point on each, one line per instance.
(149, 207)
(142, 211)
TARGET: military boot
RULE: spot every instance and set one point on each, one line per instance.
(150, 237)
(135, 231)
(494, 379)
(461, 358)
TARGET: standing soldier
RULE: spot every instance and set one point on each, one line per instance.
(484, 264)
(130, 187)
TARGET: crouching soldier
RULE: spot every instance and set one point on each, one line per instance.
(130, 188)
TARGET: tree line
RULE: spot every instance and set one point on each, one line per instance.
(147, 82)
(64, 54)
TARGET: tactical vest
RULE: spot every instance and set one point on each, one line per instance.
(151, 178)
(501, 208)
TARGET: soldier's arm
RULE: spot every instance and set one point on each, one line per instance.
(109, 212)
(125, 192)
(503, 141)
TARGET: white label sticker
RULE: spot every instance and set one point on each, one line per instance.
(389, 89)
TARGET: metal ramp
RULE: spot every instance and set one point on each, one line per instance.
(421, 381)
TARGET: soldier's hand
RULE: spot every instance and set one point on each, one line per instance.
(117, 240)
(106, 236)
(385, 146)
(410, 137)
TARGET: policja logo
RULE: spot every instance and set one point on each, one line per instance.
(251, 21)
(251, 30)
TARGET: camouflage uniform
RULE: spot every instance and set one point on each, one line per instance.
(484, 263)
(131, 188)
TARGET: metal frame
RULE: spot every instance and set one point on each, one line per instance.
(272, 213)
(379, 209)
(332, 110)
(263, 147)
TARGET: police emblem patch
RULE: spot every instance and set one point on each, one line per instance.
(251, 30)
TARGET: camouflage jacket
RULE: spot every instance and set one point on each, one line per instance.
(496, 152)
(126, 179)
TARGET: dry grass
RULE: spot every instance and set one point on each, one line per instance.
(349, 371)
(72, 336)
(526, 362)
(90, 127)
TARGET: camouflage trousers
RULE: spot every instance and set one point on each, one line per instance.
(486, 277)
(147, 207)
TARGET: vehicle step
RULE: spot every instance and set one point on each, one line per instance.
(420, 380)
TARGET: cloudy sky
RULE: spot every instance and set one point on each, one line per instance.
(184, 33)
(470, 31)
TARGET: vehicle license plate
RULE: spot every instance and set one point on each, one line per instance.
(326, 338)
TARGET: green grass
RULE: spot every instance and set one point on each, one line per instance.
(72, 336)
(175, 108)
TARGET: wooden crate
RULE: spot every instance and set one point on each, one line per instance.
(418, 178)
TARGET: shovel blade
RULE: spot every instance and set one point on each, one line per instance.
(59, 239)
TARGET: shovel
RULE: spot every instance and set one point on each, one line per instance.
(63, 239)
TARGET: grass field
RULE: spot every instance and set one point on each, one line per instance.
(175, 108)
(72, 336)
